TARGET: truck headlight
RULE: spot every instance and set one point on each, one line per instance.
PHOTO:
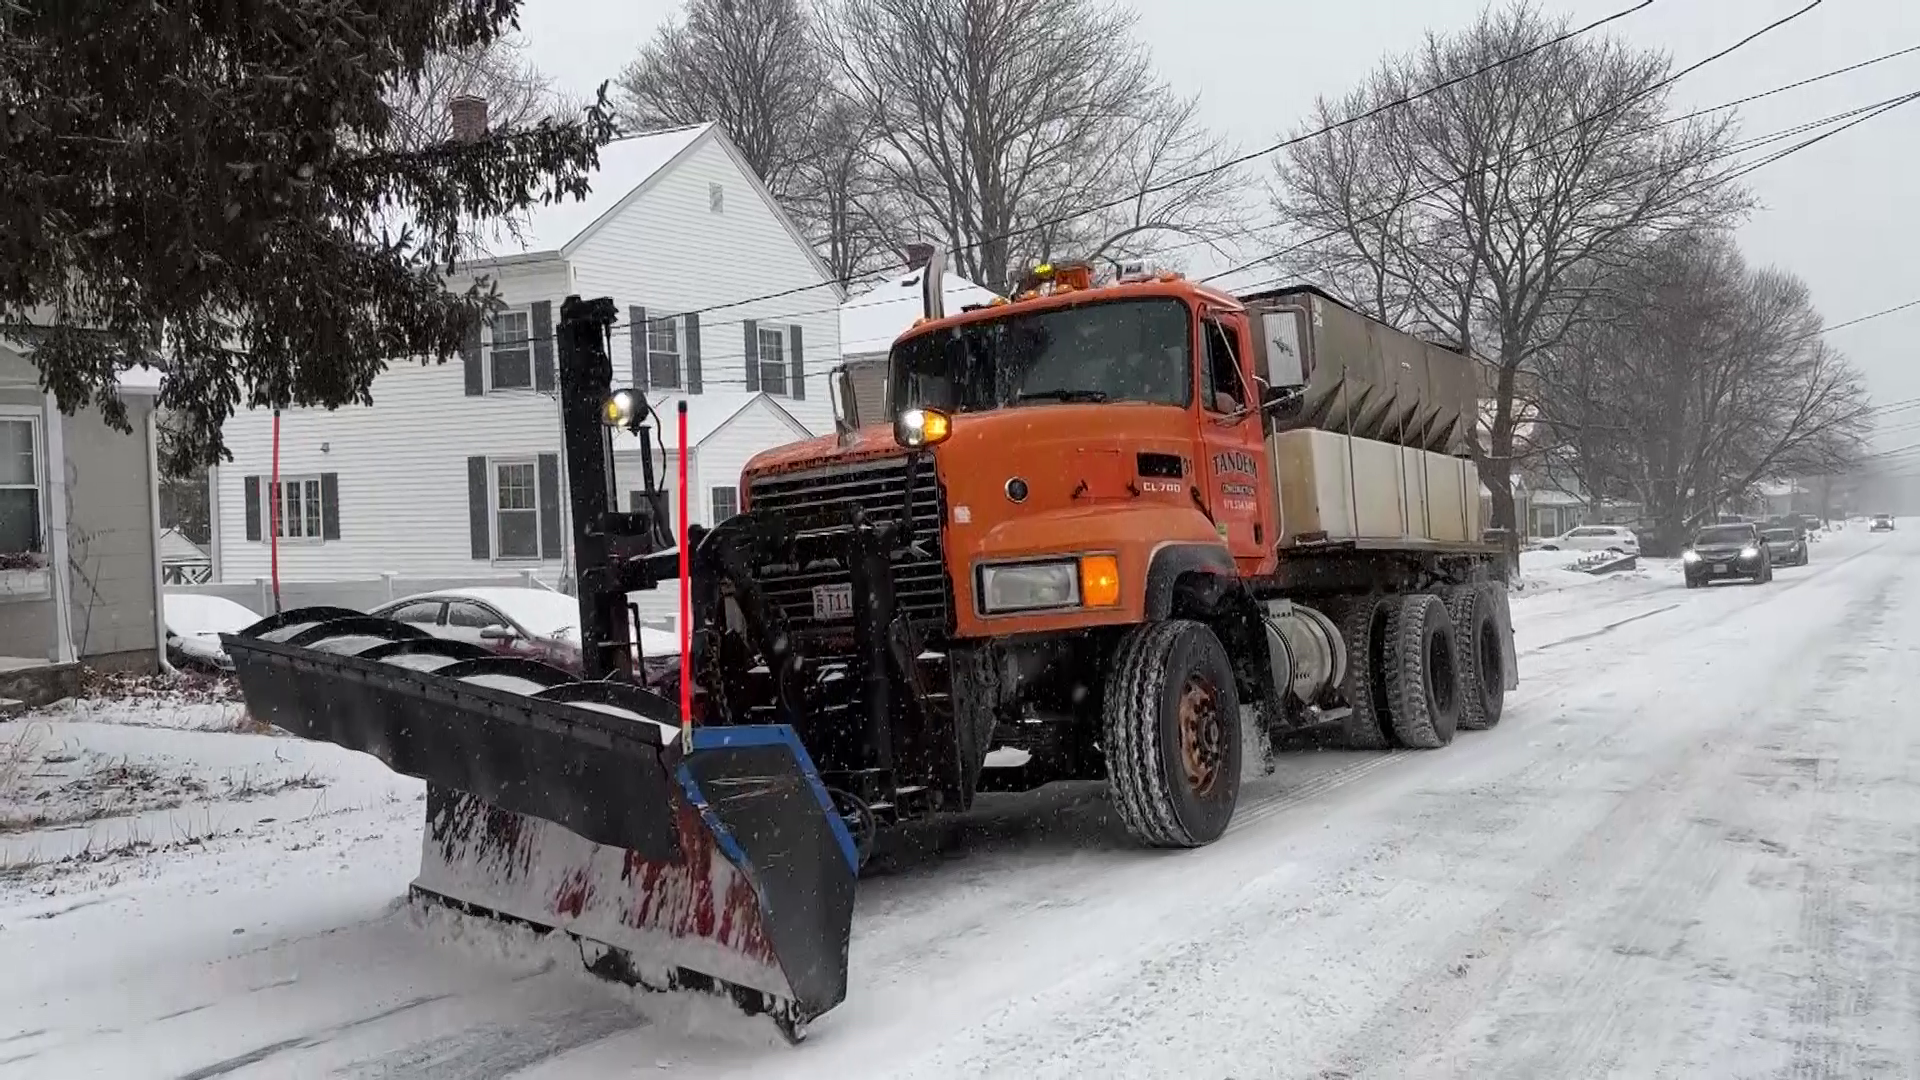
(1087, 581)
(1029, 586)
(915, 428)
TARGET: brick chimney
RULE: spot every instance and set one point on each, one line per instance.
(918, 254)
(469, 115)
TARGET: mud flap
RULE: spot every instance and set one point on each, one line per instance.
(569, 806)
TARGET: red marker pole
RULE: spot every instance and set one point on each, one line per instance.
(273, 513)
(686, 600)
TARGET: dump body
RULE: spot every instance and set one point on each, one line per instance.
(1363, 377)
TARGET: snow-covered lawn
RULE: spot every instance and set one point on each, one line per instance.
(1687, 851)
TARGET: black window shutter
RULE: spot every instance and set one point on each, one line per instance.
(753, 356)
(797, 381)
(550, 506)
(470, 359)
(478, 511)
(252, 484)
(693, 352)
(330, 506)
(543, 346)
(637, 344)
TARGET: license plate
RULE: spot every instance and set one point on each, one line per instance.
(832, 602)
(1718, 568)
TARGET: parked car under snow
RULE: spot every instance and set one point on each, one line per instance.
(194, 626)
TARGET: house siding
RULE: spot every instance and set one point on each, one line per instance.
(669, 253)
(716, 462)
(401, 465)
(110, 538)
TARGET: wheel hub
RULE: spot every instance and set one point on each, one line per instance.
(1202, 735)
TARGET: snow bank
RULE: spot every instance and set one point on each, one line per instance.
(1551, 571)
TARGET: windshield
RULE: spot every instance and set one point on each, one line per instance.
(1724, 534)
(1780, 534)
(1129, 350)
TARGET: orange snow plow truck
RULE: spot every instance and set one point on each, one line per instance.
(1133, 517)
(1100, 530)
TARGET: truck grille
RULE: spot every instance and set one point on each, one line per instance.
(920, 587)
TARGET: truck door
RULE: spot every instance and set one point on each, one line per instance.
(1233, 458)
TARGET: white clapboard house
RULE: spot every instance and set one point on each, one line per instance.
(455, 470)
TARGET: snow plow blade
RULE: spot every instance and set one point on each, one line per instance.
(571, 806)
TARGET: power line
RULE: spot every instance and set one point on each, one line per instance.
(1729, 151)
(1742, 147)
(1212, 170)
(1791, 150)
(1550, 137)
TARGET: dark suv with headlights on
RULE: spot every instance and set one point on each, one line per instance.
(1786, 547)
(1727, 551)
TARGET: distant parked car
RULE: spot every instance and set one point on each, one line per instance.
(513, 621)
(1727, 551)
(1594, 538)
(194, 626)
(1787, 546)
(1881, 523)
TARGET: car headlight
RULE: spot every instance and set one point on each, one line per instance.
(1689, 555)
(1087, 581)
(1749, 552)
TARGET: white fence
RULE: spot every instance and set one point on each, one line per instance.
(357, 593)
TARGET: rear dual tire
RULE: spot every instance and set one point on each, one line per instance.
(1480, 634)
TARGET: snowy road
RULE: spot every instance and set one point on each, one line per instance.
(1692, 849)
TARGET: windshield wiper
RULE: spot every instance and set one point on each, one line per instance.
(1061, 395)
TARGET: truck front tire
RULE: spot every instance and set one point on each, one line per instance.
(1422, 672)
(1171, 719)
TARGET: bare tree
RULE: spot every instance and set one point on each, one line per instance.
(755, 67)
(1000, 124)
(1696, 378)
(838, 198)
(1489, 211)
(518, 95)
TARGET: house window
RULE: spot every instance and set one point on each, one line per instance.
(716, 199)
(20, 478)
(510, 350)
(663, 353)
(300, 517)
(726, 502)
(773, 360)
(516, 510)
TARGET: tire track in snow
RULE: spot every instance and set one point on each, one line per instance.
(1589, 1005)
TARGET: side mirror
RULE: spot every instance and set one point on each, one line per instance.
(846, 411)
(498, 633)
(1283, 402)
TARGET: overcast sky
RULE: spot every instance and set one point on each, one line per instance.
(1844, 215)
